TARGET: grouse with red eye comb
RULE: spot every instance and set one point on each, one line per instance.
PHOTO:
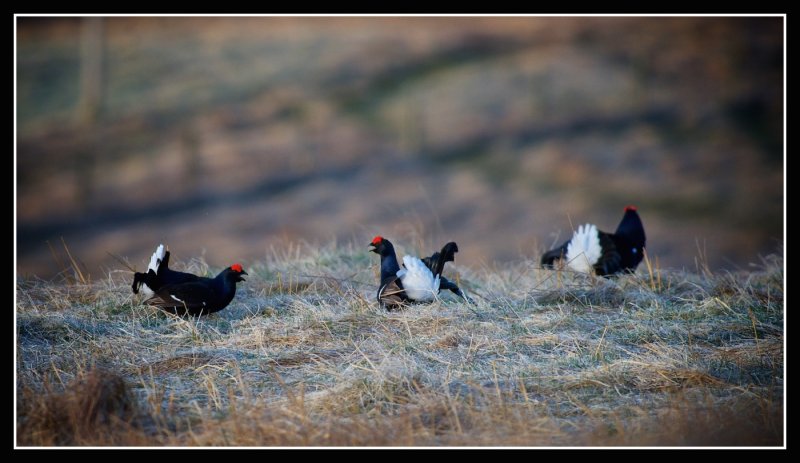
(417, 281)
(159, 274)
(605, 253)
(200, 297)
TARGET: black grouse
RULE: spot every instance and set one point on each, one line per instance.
(417, 281)
(605, 253)
(159, 274)
(200, 297)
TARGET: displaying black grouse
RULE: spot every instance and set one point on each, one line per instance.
(200, 297)
(417, 281)
(159, 274)
(605, 253)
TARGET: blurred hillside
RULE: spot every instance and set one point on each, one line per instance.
(226, 137)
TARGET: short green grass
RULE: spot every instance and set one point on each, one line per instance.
(305, 357)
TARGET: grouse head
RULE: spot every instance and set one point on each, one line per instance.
(234, 273)
(381, 246)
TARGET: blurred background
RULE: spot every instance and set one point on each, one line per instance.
(229, 137)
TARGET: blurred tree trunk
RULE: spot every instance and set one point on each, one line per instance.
(91, 91)
(90, 104)
(412, 126)
(191, 158)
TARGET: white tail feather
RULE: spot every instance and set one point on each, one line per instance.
(584, 249)
(155, 259)
(418, 280)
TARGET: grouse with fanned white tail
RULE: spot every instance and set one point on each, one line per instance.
(418, 280)
(159, 274)
(200, 297)
(590, 249)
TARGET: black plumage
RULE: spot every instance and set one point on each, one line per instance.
(201, 296)
(436, 263)
(391, 293)
(621, 251)
(163, 275)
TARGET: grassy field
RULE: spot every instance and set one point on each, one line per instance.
(305, 357)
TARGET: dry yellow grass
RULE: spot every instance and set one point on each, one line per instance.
(304, 357)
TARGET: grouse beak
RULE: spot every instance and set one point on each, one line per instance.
(372, 247)
(240, 276)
